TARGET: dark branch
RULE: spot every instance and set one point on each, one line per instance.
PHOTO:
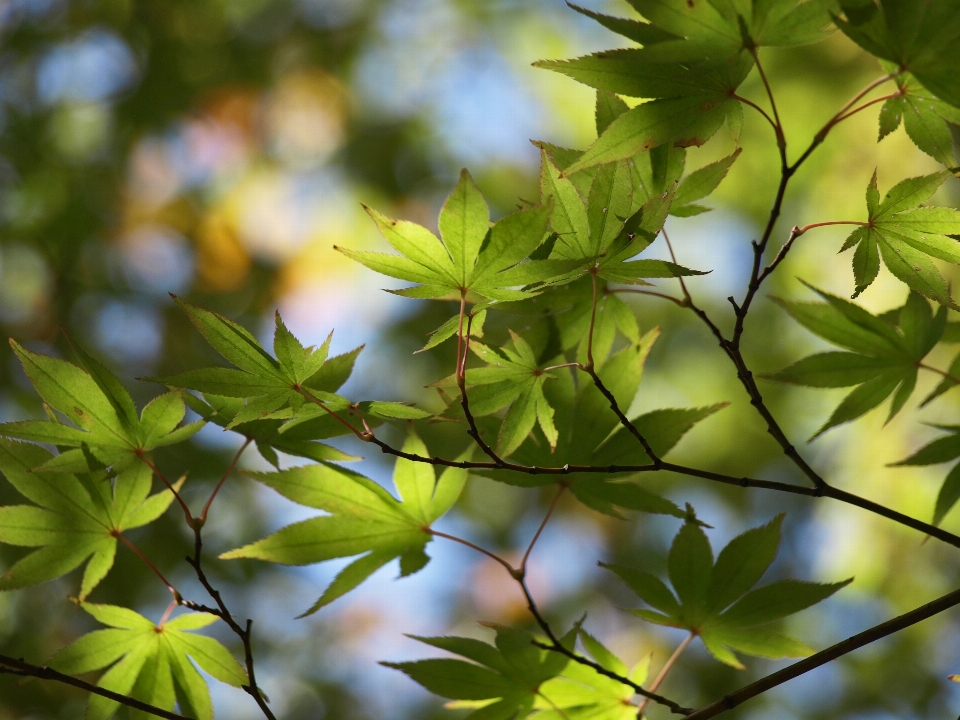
(624, 420)
(728, 702)
(825, 491)
(13, 666)
(556, 646)
(223, 613)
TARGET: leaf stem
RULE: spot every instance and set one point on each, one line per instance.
(546, 518)
(667, 666)
(732, 700)
(778, 126)
(882, 98)
(14, 666)
(139, 553)
(796, 232)
(756, 107)
(493, 556)
(561, 366)
(948, 376)
(593, 318)
(675, 301)
(226, 474)
(365, 436)
(186, 510)
(839, 117)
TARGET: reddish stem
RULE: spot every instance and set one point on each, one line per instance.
(177, 598)
(213, 495)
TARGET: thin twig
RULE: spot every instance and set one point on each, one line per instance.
(223, 613)
(186, 510)
(493, 556)
(624, 420)
(546, 518)
(675, 301)
(19, 667)
(744, 482)
(473, 431)
(838, 117)
(173, 591)
(732, 700)
(555, 644)
(226, 474)
(942, 373)
(664, 671)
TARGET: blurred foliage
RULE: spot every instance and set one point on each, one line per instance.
(219, 148)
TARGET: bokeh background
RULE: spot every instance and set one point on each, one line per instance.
(218, 149)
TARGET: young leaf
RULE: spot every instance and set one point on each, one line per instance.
(906, 236)
(511, 673)
(941, 450)
(464, 222)
(885, 357)
(582, 692)
(150, 662)
(472, 257)
(701, 183)
(72, 520)
(364, 519)
(917, 36)
(715, 600)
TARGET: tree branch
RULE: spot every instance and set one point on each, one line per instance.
(555, 645)
(223, 613)
(728, 702)
(461, 376)
(825, 491)
(13, 666)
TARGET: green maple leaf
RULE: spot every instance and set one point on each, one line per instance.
(715, 601)
(288, 432)
(149, 662)
(884, 358)
(694, 57)
(106, 429)
(906, 236)
(581, 692)
(502, 682)
(941, 450)
(472, 256)
(473, 323)
(925, 118)
(606, 231)
(364, 519)
(74, 518)
(596, 437)
(512, 377)
(917, 36)
(269, 385)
